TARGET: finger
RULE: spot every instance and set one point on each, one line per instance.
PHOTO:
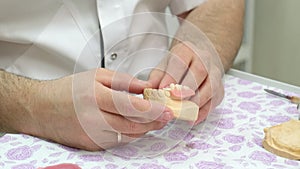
(141, 110)
(215, 82)
(178, 64)
(207, 108)
(114, 140)
(130, 106)
(203, 94)
(129, 127)
(173, 74)
(121, 81)
(217, 86)
(196, 75)
(182, 93)
(155, 77)
(203, 112)
(133, 136)
(219, 95)
(211, 104)
(110, 139)
(158, 72)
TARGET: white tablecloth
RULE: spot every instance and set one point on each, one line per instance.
(231, 137)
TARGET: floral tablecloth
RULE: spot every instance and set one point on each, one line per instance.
(231, 137)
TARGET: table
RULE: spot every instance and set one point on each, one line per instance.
(230, 138)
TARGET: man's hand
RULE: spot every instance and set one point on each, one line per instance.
(87, 110)
(191, 63)
(188, 67)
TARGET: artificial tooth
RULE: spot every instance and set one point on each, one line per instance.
(172, 86)
(161, 93)
(183, 109)
(178, 87)
(154, 93)
(167, 93)
(147, 92)
(167, 88)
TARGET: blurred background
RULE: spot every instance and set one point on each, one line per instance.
(271, 45)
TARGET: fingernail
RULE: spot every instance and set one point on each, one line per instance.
(167, 116)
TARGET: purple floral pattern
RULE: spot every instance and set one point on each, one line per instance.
(177, 134)
(224, 123)
(265, 157)
(126, 152)
(158, 146)
(152, 166)
(5, 138)
(250, 106)
(176, 156)
(199, 145)
(234, 139)
(210, 165)
(20, 153)
(231, 137)
(24, 166)
(247, 94)
(91, 157)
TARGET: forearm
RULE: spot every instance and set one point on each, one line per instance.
(222, 22)
(17, 95)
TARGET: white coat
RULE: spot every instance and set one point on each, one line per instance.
(48, 39)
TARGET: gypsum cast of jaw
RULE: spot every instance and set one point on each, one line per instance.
(172, 97)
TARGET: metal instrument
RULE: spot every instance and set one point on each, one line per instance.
(293, 99)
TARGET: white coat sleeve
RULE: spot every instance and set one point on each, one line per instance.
(180, 6)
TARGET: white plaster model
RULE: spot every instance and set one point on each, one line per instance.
(182, 109)
(283, 139)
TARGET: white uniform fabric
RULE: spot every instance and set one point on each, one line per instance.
(47, 39)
